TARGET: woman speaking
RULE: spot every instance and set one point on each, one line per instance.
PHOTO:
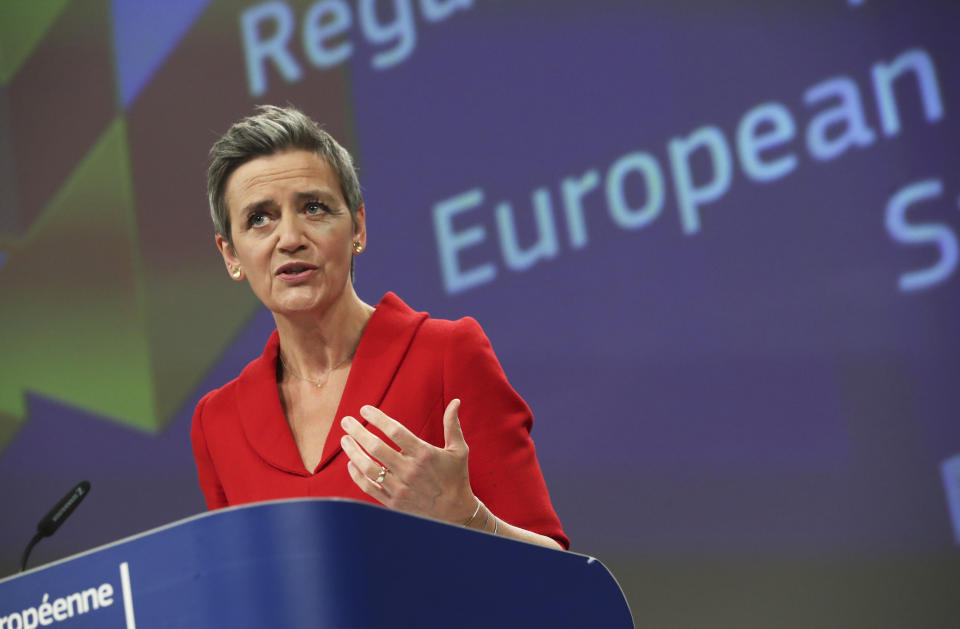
(350, 400)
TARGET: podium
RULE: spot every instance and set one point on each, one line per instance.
(317, 563)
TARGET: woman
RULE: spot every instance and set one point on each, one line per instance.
(350, 400)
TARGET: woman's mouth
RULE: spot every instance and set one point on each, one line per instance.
(294, 271)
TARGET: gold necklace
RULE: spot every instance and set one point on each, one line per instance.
(326, 376)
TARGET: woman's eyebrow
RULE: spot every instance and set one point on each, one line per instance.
(309, 195)
(257, 206)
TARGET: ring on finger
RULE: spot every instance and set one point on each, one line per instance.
(382, 475)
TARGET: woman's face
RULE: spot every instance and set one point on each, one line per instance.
(292, 231)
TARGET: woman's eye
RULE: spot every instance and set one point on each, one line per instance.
(315, 207)
(257, 219)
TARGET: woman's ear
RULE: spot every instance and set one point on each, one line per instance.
(360, 226)
(229, 257)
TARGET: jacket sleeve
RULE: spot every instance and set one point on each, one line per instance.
(496, 423)
(206, 472)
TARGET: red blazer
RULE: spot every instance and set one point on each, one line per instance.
(408, 365)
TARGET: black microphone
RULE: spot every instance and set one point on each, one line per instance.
(52, 521)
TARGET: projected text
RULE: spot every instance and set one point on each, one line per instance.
(325, 33)
(699, 169)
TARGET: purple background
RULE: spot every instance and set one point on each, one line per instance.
(746, 423)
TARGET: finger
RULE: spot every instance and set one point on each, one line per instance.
(394, 430)
(452, 433)
(360, 459)
(368, 486)
(373, 444)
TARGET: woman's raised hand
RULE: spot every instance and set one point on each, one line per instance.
(421, 478)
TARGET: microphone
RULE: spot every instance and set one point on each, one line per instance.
(55, 517)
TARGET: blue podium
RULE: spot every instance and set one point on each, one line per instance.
(319, 564)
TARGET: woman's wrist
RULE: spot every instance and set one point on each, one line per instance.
(487, 521)
(473, 517)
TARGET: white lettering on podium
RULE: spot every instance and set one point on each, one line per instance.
(70, 605)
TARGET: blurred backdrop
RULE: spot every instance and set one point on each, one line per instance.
(714, 244)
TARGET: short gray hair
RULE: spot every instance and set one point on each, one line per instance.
(274, 130)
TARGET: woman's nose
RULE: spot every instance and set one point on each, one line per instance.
(290, 233)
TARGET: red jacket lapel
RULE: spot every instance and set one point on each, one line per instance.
(381, 351)
(261, 415)
(382, 348)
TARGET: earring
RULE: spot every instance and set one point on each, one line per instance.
(236, 273)
(357, 247)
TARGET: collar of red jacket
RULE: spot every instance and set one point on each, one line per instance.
(381, 350)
